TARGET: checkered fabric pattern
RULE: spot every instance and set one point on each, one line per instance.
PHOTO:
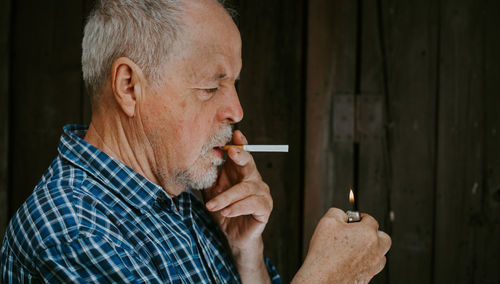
(93, 219)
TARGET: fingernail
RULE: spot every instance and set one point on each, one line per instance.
(236, 155)
(225, 212)
(238, 152)
(210, 205)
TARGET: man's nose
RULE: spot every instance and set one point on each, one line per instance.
(231, 111)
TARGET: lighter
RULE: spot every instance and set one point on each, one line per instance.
(352, 215)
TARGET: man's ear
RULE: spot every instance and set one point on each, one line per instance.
(126, 79)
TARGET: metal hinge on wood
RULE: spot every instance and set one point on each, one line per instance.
(357, 118)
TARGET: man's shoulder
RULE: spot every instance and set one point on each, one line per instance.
(52, 213)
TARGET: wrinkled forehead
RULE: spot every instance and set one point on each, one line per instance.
(206, 21)
(210, 62)
(209, 40)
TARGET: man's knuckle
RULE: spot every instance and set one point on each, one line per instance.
(333, 212)
(381, 264)
(384, 240)
(328, 222)
(266, 187)
(389, 242)
(268, 204)
(372, 220)
(246, 188)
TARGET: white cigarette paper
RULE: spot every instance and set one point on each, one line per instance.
(265, 148)
(260, 148)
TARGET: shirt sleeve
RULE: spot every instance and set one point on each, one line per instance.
(273, 272)
(92, 259)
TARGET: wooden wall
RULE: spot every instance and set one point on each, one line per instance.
(421, 79)
(395, 98)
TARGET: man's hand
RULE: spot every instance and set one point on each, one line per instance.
(241, 203)
(342, 252)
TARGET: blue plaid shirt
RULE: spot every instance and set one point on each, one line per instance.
(93, 219)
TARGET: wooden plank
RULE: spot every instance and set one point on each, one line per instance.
(372, 191)
(46, 86)
(271, 94)
(398, 60)
(467, 222)
(487, 244)
(5, 10)
(331, 65)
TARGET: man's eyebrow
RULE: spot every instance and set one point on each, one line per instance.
(220, 76)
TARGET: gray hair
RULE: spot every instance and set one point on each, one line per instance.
(142, 30)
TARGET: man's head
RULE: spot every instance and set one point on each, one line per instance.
(162, 73)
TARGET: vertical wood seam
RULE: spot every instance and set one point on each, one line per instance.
(387, 117)
(357, 92)
(436, 138)
(386, 120)
(305, 32)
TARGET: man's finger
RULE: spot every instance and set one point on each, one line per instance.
(254, 205)
(385, 242)
(369, 220)
(239, 138)
(235, 193)
(240, 157)
(337, 213)
(380, 265)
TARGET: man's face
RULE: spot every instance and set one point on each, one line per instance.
(190, 114)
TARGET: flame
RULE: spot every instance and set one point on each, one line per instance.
(351, 196)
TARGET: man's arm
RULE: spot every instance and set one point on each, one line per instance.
(92, 259)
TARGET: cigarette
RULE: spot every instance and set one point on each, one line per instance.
(258, 148)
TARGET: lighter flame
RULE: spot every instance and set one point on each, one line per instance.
(351, 196)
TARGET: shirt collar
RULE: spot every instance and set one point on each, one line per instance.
(118, 177)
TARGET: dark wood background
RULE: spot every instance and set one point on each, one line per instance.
(396, 98)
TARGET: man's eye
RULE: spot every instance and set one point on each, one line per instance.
(211, 90)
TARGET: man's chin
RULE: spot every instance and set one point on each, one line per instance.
(196, 178)
(203, 173)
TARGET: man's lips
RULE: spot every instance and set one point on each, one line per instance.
(218, 150)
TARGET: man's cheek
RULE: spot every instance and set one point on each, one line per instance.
(179, 129)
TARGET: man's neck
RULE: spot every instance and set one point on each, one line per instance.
(130, 149)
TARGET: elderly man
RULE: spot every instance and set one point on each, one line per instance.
(116, 205)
